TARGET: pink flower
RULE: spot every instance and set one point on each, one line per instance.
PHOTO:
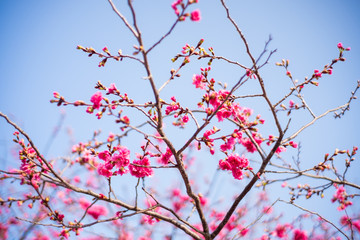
(250, 147)
(141, 172)
(293, 144)
(341, 196)
(340, 46)
(112, 88)
(3, 231)
(235, 164)
(185, 118)
(198, 81)
(96, 99)
(56, 95)
(267, 209)
(64, 233)
(122, 159)
(280, 230)
(291, 104)
(300, 235)
(174, 4)
(105, 170)
(195, 15)
(165, 158)
(317, 74)
(96, 211)
(356, 224)
(280, 149)
(105, 155)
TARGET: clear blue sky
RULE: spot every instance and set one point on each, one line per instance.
(38, 57)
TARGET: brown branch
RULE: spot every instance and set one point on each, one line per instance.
(317, 214)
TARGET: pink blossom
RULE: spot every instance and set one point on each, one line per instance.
(105, 170)
(56, 95)
(235, 164)
(141, 172)
(340, 45)
(3, 231)
(165, 158)
(280, 149)
(267, 209)
(97, 210)
(64, 233)
(293, 144)
(356, 224)
(122, 159)
(228, 145)
(111, 137)
(195, 15)
(224, 165)
(174, 6)
(198, 81)
(112, 88)
(203, 200)
(300, 235)
(317, 74)
(250, 147)
(291, 104)
(341, 196)
(185, 118)
(280, 230)
(96, 99)
(105, 155)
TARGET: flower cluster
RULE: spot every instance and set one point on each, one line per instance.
(235, 164)
(94, 211)
(165, 158)
(140, 168)
(342, 197)
(120, 160)
(194, 15)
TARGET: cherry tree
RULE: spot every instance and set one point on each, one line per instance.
(155, 175)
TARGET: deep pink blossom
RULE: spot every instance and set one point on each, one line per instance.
(300, 235)
(235, 164)
(250, 147)
(293, 144)
(105, 169)
(317, 74)
(105, 155)
(342, 197)
(112, 88)
(280, 230)
(97, 210)
(280, 149)
(122, 159)
(195, 15)
(165, 158)
(185, 118)
(198, 81)
(96, 99)
(141, 172)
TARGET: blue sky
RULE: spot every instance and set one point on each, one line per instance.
(38, 46)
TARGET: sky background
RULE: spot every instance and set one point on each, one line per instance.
(38, 56)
